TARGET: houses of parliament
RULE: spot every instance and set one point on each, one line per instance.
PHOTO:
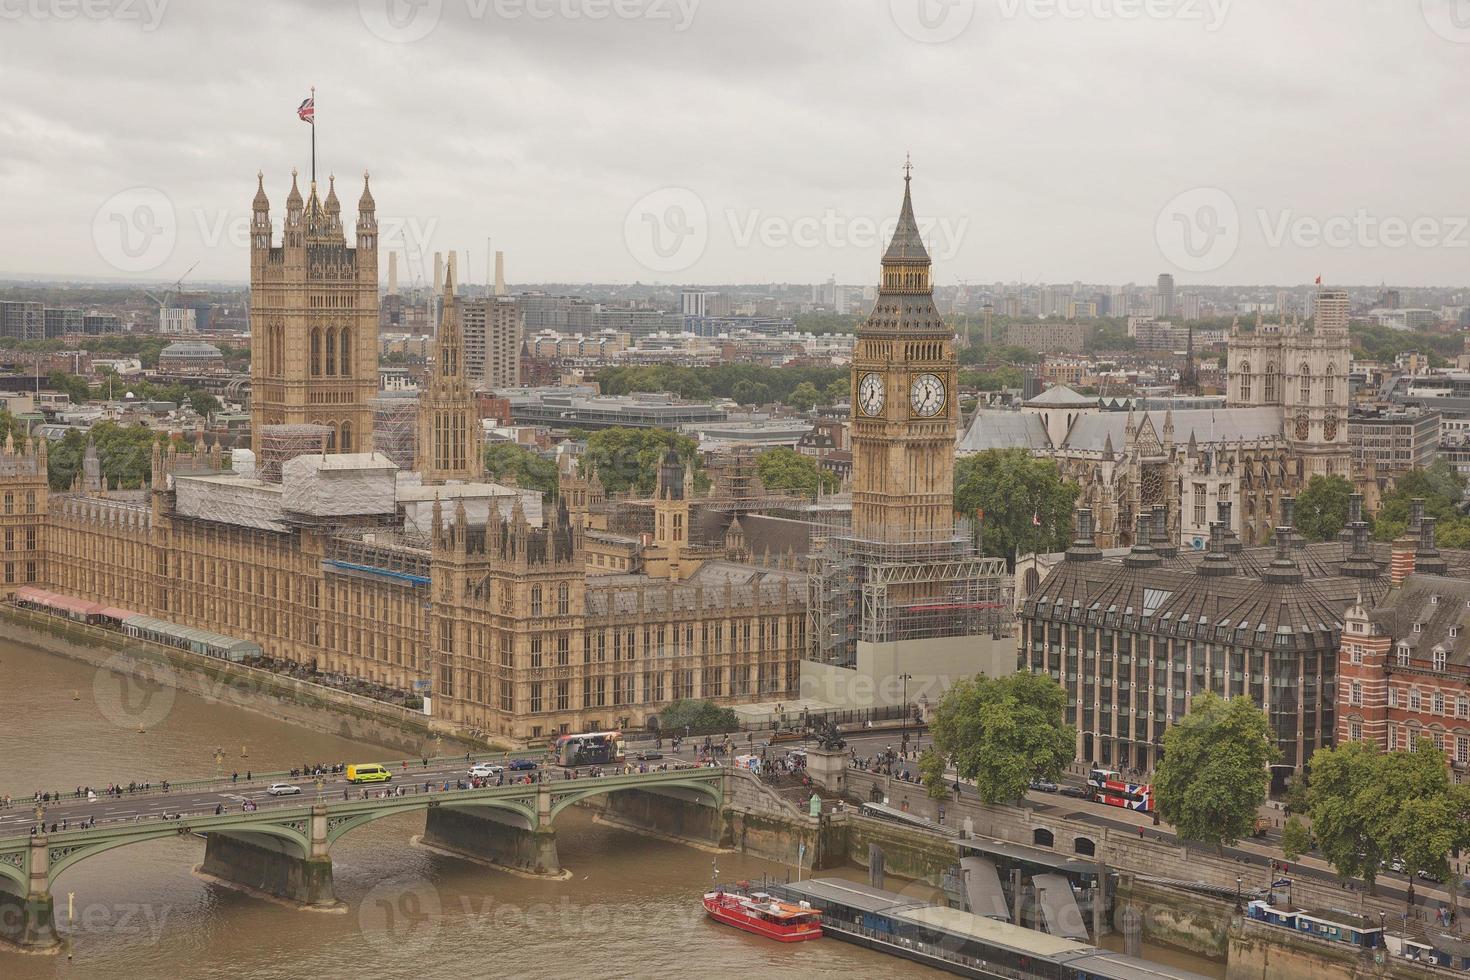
(483, 596)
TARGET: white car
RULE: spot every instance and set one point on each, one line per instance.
(485, 770)
(283, 789)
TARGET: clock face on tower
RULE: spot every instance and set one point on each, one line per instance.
(926, 395)
(870, 394)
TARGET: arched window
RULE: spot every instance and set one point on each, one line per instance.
(10, 503)
(316, 352)
(1329, 384)
(331, 357)
(563, 600)
(344, 355)
(331, 437)
(1245, 381)
(347, 437)
(535, 600)
(1306, 383)
(30, 501)
(1270, 382)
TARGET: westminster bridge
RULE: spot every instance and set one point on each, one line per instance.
(281, 846)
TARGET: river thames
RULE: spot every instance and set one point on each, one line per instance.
(630, 908)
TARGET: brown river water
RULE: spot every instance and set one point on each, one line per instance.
(630, 909)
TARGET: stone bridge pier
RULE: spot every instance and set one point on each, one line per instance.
(275, 865)
(519, 838)
(27, 913)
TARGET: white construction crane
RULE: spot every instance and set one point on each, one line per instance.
(169, 294)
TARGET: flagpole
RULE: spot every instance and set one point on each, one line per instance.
(313, 135)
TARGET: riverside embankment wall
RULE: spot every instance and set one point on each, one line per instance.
(136, 679)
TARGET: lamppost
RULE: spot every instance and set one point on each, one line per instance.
(320, 784)
(40, 817)
(1238, 880)
(904, 731)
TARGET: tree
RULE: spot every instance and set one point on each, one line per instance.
(1443, 492)
(1367, 806)
(837, 392)
(1322, 508)
(74, 387)
(1213, 777)
(750, 393)
(1417, 818)
(697, 717)
(803, 397)
(1004, 732)
(1344, 788)
(1296, 839)
(629, 458)
(529, 470)
(125, 453)
(1015, 491)
(787, 469)
(931, 772)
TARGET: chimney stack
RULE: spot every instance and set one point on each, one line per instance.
(1163, 544)
(1401, 561)
(1283, 569)
(1084, 548)
(392, 273)
(499, 273)
(1427, 559)
(1143, 554)
(1217, 560)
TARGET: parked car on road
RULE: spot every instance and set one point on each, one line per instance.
(1076, 792)
(485, 770)
(1044, 786)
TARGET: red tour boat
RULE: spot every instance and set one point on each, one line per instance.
(763, 915)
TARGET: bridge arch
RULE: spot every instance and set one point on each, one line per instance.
(705, 791)
(339, 826)
(13, 874)
(64, 855)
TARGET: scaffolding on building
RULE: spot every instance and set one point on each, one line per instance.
(395, 428)
(380, 553)
(918, 586)
(280, 443)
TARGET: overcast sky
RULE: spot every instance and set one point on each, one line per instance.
(1227, 141)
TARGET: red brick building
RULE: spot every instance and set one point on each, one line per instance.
(1404, 666)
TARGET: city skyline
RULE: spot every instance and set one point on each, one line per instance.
(752, 182)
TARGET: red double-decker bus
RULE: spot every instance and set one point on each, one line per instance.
(1109, 786)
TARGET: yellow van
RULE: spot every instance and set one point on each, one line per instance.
(370, 773)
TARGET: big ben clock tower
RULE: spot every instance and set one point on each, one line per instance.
(904, 414)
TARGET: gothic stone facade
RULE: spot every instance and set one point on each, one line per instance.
(314, 318)
(23, 496)
(501, 618)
